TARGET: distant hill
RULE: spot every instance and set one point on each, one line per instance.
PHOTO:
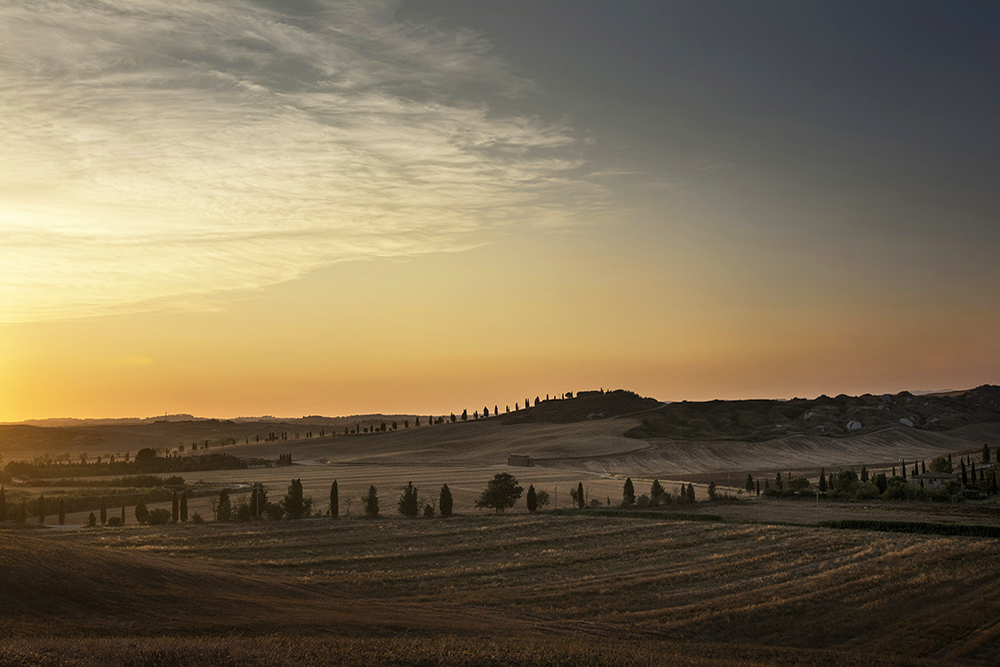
(591, 405)
(843, 415)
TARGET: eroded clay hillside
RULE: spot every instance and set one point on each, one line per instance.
(842, 415)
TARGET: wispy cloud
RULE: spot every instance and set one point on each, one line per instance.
(165, 151)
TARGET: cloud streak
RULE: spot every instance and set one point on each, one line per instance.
(161, 153)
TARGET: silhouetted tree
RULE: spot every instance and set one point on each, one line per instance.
(496, 412)
(224, 507)
(175, 509)
(408, 504)
(428, 511)
(293, 502)
(577, 495)
(453, 420)
(465, 415)
(749, 484)
(690, 493)
(445, 501)
(537, 401)
(334, 501)
(656, 493)
(778, 484)
(416, 421)
(530, 500)
(371, 501)
(628, 493)
(965, 478)
(91, 520)
(141, 513)
(500, 492)
(711, 491)
(184, 506)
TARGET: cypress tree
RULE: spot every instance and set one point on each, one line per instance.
(656, 492)
(628, 493)
(123, 515)
(531, 500)
(749, 484)
(822, 480)
(923, 466)
(972, 471)
(965, 479)
(334, 501)
(758, 488)
(104, 510)
(778, 484)
(445, 501)
(3, 505)
(371, 501)
(175, 509)
(581, 502)
(184, 507)
(408, 504)
(691, 493)
(864, 473)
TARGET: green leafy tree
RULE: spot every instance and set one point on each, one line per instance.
(628, 493)
(445, 501)
(408, 504)
(334, 501)
(531, 500)
(370, 501)
(141, 513)
(501, 492)
(941, 464)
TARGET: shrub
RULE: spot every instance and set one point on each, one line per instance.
(866, 491)
(159, 516)
(428, 511)
(642, 501)
(196, 518)
(114, 521)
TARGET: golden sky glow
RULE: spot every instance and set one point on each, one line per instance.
(225, 210)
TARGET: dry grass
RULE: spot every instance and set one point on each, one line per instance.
(543, 581)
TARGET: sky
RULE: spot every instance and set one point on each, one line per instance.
(422, 206)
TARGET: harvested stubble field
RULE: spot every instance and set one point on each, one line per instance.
(516, 589)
